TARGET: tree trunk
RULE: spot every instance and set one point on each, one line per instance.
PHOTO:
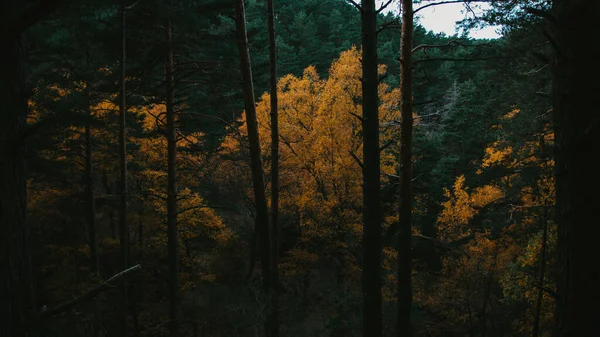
(405, 207)
(123, 225)
(541, 278)
(13, 269)
(262, 210)
(173, 246)
(372, 208)
(90, 198)
(274, 318)
(577, 128)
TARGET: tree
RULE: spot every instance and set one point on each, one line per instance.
(123, 225)
(90, 198)
(13, 90)
(372, 210)
(173, 241)
(260, 199)
(575, 106)
(405, 207)
(274, 240)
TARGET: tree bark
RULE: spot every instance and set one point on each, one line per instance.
(90, 198)
(542, 276)
(173, 246)
(405, 202)
(274, 318)
(262, 210)
(123, 225)
(576, 105)
(13, 269)
(372, 208)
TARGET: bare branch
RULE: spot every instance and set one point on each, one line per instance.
(543, 94)
(449, 44)
(386, 145)
(357, 116)
(356, 159)
(89, 294)
(384, 6)
(353, 3)
(467, 59)
(445, 3)
(132, 5)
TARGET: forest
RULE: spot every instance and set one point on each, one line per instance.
(216, 168)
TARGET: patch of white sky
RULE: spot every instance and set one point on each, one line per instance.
(443, 18)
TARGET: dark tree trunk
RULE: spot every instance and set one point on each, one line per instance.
(111, 212)
(405, 208)
(542, 276)
(576, 102)
(274, 318)
(90, 198)
(123, 225)
(13, 111)
(372, 208)
(260, 199)
(141, 226)
(173, 246)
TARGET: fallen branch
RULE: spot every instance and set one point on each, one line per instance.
(108, 284)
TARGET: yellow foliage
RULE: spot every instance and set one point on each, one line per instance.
(461, 207)
(496, 155)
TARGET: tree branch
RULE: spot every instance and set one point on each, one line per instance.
(386, 145)
(444, 3)
(357, 116)
(353, 3)
(384, 6)
(89, 294)
(541, 13)
(546, 290)
(356, 159)
(467, 59)
(453, 42)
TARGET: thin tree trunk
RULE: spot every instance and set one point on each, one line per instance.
(173, 246)
(274, 319)
(542, 276)
(372, 208)
(141, 226)
(90, 198)
(405, 207)
(262, 209)
(576, 126)
(111, 212)
(123, 225)
(13, 269)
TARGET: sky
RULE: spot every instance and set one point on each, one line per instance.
(443, 18)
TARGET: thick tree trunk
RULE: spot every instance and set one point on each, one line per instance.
(173, 246)
(577, 128)
(405, 207)
(372, 208)
(260, 199)
(123, 225)
(13, 111)
(274, 318)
